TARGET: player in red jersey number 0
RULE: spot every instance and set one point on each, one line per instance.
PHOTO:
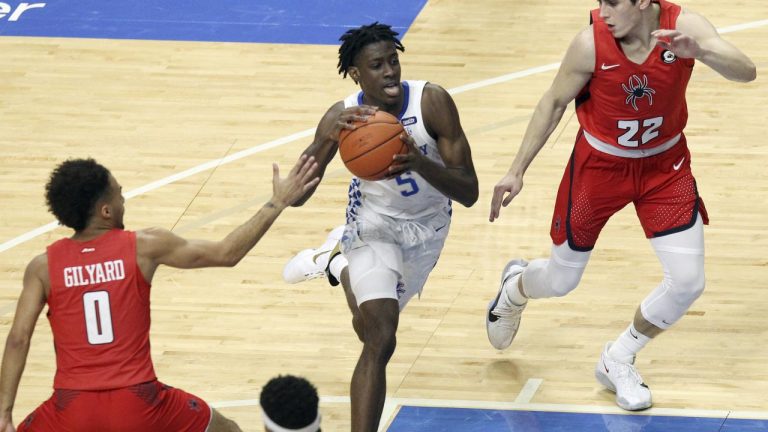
(96, 284)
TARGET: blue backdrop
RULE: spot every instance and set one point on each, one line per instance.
(267, 21)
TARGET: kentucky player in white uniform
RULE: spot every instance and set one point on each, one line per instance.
(395, 227)
(404, 220)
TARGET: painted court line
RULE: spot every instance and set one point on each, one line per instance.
(504, 78)
(529, 390)
(745, 26)
(387, 414)
(171, 179)
(28, 236)
(393, 403)
(309, 132)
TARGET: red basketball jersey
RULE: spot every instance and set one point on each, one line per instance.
(98, 308)
(630, 105)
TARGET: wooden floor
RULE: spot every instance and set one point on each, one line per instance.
(149, 110)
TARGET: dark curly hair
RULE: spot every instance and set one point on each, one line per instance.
(356, 39)
(74, 188)
(290, 401)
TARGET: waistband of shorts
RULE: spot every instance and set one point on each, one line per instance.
(631, 153)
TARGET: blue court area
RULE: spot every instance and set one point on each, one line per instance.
(419, 419)
(263, 21)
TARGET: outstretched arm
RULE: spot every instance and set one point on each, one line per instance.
(697, 38)
(31, 302)
(159, 246)
(457, 180)
(575, 71)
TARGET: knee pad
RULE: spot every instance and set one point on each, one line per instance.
(557, 276)
(681, 286)
(682, 256)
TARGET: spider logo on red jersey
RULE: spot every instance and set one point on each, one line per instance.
(637, 88)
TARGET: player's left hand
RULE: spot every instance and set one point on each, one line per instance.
(680, 44)
(302, 178)
(411, 161)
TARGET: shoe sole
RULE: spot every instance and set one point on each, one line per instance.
(304, 278)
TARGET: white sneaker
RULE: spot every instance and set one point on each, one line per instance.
(622, 378)
(313, 263)
(303, 266)
(503, 318)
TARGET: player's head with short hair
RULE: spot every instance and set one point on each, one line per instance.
(74, 188)
(290, 403)
(354, 40)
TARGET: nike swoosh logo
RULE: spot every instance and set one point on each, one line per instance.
(608, 67)
(316, 256)
(438, 229)
(491, 316)
(606, 368)
(679, 164)
(631, 333)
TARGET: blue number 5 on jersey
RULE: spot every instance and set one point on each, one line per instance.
(409, 183)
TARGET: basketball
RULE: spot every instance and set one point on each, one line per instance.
(367, 151)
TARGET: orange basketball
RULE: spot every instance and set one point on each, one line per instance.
(367, 151)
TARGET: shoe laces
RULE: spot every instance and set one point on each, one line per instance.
(627, 374)
(507, 314)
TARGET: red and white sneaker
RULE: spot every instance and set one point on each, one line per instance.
(632, 393)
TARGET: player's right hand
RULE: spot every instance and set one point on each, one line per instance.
(348, 118)
(510, 185)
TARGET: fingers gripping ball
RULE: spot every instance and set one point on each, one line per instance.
(368, 150)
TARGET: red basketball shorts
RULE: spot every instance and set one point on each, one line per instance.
(147, 407)
(596, 185)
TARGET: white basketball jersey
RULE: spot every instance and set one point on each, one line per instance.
(408, 196)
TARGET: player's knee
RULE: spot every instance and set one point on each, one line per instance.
(379, 338)
(357, 325)
(548, 278)
(563, 282)
(566, 268)
(379, 347)
(687, 286)
(563, 287)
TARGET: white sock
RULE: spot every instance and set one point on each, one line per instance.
(513, 292)
(338, 263)
(629, 343)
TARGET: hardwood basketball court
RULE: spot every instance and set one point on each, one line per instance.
(153, 110)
